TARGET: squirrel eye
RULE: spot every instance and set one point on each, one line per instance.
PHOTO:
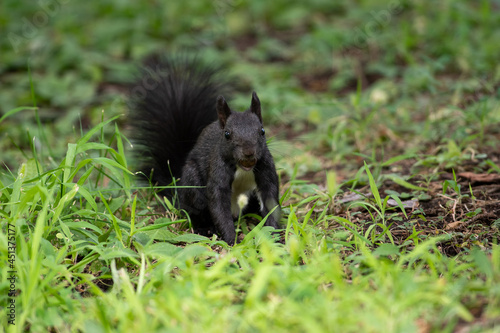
(262, 131)
(227, 135)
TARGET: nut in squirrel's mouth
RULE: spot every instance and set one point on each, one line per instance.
(247, 165)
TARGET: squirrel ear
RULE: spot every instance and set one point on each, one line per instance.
(223, 110)
(255, 106)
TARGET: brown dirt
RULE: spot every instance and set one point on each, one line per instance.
(466, 219)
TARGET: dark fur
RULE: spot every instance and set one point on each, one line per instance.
(170, 106)
(181, 110)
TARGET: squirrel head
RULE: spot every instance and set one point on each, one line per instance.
(243, 134)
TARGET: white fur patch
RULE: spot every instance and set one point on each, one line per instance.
(243, 184)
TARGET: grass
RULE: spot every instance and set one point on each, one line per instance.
(100, 269)
(384, 124)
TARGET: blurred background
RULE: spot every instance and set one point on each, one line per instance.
(338, 79)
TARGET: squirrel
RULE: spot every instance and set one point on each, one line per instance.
(182, 127)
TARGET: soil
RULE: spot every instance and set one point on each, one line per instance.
(466, 219)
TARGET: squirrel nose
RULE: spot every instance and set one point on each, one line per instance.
(248, 152)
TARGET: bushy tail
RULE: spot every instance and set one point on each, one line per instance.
(169, 107)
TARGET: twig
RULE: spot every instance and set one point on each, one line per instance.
(453, 209)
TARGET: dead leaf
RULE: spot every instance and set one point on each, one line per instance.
(350, 197)
(353, 197)
(453, 225)
(408, 204)
(480, 177)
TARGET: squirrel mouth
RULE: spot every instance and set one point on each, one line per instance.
(247, 165)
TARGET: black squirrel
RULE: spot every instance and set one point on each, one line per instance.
(183, 128)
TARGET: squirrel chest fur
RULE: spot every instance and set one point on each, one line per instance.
(243, 185)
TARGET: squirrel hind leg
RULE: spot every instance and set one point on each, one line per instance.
(205, 231)
(202, 225)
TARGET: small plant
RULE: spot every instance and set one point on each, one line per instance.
(457, 193)
(380, 209)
